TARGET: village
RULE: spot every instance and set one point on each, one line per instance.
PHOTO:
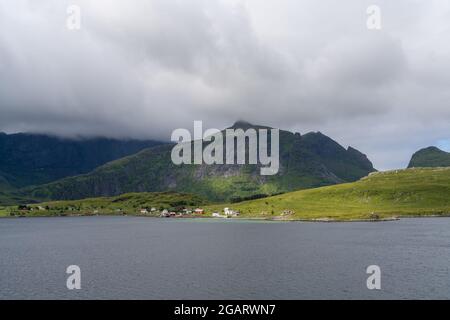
(227, 213)
(180, 212)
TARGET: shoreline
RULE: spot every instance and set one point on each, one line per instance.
(274, 219)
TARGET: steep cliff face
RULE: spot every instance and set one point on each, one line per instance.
(31, 159)
(306, 161)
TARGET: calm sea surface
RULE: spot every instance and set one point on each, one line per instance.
(148, 258)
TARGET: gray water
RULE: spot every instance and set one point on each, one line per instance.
(148, 258)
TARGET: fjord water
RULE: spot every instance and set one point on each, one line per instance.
(149, 258)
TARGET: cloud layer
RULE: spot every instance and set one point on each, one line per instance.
(141, 69)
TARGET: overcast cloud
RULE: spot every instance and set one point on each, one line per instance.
(143, 68)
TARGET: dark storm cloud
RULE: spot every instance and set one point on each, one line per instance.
(141, 69)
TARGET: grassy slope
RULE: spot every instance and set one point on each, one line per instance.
(130, 203)
(412, 192)
(3, 212)
(9, 197)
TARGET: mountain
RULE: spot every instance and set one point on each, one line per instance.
(32, 159)
(306, 161)
(430, 157)
(381, 195)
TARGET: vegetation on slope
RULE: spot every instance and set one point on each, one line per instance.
(32, 159)
(411, 192)
(3, 212)
(307, 161)
(430, 157)
(131, 203)
(381, 195)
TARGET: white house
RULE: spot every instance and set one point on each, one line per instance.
(230, 213)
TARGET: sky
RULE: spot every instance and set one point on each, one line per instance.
(140, 69)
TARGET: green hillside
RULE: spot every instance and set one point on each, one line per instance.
(306, 161)
(381, 195)
(430, 157)
(32, 159)
(410, 192)
(131, 203)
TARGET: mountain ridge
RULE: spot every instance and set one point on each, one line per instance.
(306, 161)
(34, 159)
(430, 157)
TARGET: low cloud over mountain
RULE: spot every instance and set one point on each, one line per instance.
(140, 69)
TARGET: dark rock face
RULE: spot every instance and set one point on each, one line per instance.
(306, 161)
(32, 159)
